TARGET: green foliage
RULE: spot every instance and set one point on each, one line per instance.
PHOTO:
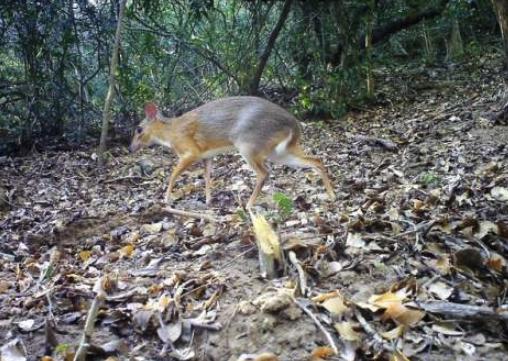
(284, 204)
(429, 179)
(62, 348)
(54, 58)
(243, 216)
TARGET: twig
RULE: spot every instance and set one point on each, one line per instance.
(167, 341)
(50, 305)
(228, 323)
(7, 257)
(233, 260)
(329, 337)
(388, 144)
(372, 332)
(462, 311)
(129, 177)
(90, 320)
(215, 326)
(179, 212)
(423, 227)
(301, 273)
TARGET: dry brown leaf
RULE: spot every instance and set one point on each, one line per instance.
(84, 255)
(403, 315)
(4, 286)
(441, 290)
(388, 298)
(499, 193)
(446, 329)
(153, 289)
(12, 351)
(355, 240)
(151, 228)
(26, 325)
(133, 237)
(126, 251)
(335, 306)
(324, 296)
(346, 331)
(142, 318)
(443, 265)
(327, 269)
(394, 333)
(398, 356)
(170, 333)
(418, 205)
(496, 263)
(164, 302)
(321, 353)
(485, 228)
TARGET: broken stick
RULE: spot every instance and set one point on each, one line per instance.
(179, 212)
(90, 320)
(331, 342)
(462, 311)
(301, 273)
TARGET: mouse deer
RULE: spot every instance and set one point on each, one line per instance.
(258, 129)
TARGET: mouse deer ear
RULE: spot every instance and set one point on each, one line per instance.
(151, 110)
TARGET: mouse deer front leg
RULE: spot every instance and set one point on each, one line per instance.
(187, 158)
(208, 181)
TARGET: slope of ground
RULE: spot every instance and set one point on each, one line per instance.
(408, 263)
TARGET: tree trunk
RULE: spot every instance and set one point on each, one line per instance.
(382, 33)
(501, 10)
(430, 53)
(368, 51)
(254, 83)
(106, 113)
(455, 49)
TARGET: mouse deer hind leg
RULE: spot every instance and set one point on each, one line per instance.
(296, 157)
(256, 161)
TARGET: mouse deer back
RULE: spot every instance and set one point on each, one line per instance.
(258, 129)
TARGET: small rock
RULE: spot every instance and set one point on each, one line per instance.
(246, 308)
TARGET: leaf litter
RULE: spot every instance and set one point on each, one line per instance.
(408, 263)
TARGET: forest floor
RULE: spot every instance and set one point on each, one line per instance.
(408, 263)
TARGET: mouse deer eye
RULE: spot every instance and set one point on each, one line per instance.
(139, 130)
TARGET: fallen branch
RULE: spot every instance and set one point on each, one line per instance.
(90, 320)
(500, 115)
(461, 311)
(328, 336)
(269, 251)
(301, 273)
(179, 212)
(167, 340)
(119, 179)
(371, 331)
(387, 144)
(8, 257)
(214, 326)
(423, 227)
